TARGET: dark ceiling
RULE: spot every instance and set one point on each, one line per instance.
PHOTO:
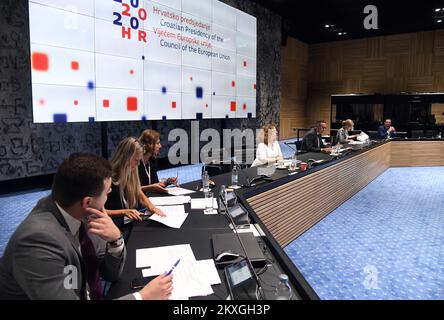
(306, 20)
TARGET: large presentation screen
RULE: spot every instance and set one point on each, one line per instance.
(113, 60)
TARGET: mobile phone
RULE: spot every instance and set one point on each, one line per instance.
(139, 283)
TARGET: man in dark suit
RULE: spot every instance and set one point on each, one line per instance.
(68, 243)
(386, 131)
(312, 140)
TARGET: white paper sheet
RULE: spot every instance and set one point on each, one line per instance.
(175, 216)
(192, 278)
(189, 282)
(199, 203)
(249, 229)
(169, 201)
(178, 191)
(161, 259)
(207, 269)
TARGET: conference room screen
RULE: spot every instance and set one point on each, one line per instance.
(113, 60)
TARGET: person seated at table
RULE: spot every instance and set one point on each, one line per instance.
(268, 150)
(386, 130)
(342, 135)
(68, 244)
(312, 140)
(126, 197)
(150, 140)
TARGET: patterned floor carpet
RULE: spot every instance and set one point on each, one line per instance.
(386, 242)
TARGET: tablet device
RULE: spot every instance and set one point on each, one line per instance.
(241, 281)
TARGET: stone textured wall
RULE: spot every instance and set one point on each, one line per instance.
(28, 149)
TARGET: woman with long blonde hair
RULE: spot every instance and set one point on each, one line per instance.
(126, 197)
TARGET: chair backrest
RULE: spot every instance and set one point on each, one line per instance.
(212, 169)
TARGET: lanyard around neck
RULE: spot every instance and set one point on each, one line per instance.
(148, 172)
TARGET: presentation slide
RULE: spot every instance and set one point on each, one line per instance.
(119, 60)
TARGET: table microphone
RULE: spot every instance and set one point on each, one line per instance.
(230, 218)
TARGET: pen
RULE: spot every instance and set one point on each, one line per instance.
(171, 270)
(143, 210)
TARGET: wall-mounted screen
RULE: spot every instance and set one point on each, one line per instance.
(113, 60)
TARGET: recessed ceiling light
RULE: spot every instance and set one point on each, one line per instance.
(340, 33)
(437, 9)
(439, 21)
(327, 26)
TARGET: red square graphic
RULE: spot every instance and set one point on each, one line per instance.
(233, 83)
(40, 61)
(76, 102)
(74, 65)
(254, 86)
(245, 63)
(244, 106)
(233, 106)
(173, 105)
(106, 103)
(131, 103)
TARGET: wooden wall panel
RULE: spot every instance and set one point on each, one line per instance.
(412, 62)
(294, 87)
(417, 153)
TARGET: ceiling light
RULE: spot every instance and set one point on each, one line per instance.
(439, 21)
(327, 26)
(340, 33)
(437, 9)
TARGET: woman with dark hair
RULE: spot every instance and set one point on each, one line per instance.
(150, 141)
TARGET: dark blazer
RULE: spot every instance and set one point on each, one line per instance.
(41, 255)
(382, 132)
(312, 141)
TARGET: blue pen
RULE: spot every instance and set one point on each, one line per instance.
(171, 270)
(143, 210)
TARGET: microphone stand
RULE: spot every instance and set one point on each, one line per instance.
(242, 245)
(288, 145)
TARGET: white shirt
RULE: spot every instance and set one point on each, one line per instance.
(264, 152)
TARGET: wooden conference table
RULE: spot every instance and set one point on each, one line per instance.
(283, 208)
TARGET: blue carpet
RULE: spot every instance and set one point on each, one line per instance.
(386, 242)
(14, 208)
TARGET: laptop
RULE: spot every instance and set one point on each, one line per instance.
(229, 242)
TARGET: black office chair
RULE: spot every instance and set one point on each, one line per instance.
(417, 133)
(212, 169)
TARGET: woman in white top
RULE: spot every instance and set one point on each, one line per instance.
(268, 150)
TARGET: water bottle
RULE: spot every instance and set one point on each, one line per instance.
(205, 182)
(283, 289)
(222, 198)
(234, 176)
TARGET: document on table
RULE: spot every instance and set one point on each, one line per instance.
(251, 228)
(169, 201)
(199, 203)
(190, 277)
(178, 191)
(175, 216)
(189, 282)
(160, 259)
